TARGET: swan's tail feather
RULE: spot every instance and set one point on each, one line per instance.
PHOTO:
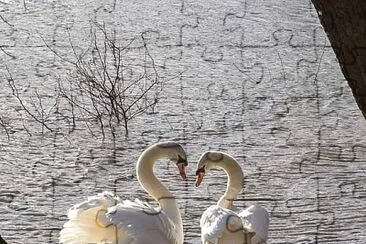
(88, 223)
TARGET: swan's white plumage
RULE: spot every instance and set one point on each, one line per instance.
(256, 218)
(215, 220)
(88, 223)
(143, 223)
(106, 219)
(221, 223)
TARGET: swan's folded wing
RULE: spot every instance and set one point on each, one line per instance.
(215, 220)
(87, 222)
(143, 223)
(256, 218)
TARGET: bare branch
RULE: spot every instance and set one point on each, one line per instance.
(5, 21)
(16, 94)
(8, 54)
(25, 6)
(110, 81)
(4, 125)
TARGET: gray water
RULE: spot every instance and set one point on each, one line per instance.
(256, 79)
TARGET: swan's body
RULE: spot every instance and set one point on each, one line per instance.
(106, 219)
(223, 223)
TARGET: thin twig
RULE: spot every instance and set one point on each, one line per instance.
(16, 94)
(8, 54)
(25, 6)
(5, 21)
(4, 125)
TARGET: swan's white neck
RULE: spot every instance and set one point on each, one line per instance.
(234, 183)
(155, 188)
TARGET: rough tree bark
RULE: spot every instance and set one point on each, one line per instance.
(345, 25)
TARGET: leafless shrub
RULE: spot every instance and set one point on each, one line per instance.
(110, 82)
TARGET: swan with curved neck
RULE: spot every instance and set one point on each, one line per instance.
(221, 223)
(105, 218)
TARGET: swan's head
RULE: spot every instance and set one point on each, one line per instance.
(207, 161)
(176, 153)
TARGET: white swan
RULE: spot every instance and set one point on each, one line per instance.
(222, 223)
(105, 218)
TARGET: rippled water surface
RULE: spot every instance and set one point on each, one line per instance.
(256, 79)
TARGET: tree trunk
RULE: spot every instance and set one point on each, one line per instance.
(2, 241)
(345, 24)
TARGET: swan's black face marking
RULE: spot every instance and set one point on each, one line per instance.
(182, 161)
(181, 155)
(201, 170)
(200, 173)
(181, 164)
(214, 156)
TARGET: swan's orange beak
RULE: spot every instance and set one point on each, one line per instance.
(199, 178)
(182, 170)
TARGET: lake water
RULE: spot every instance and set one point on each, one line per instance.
(256, 79)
